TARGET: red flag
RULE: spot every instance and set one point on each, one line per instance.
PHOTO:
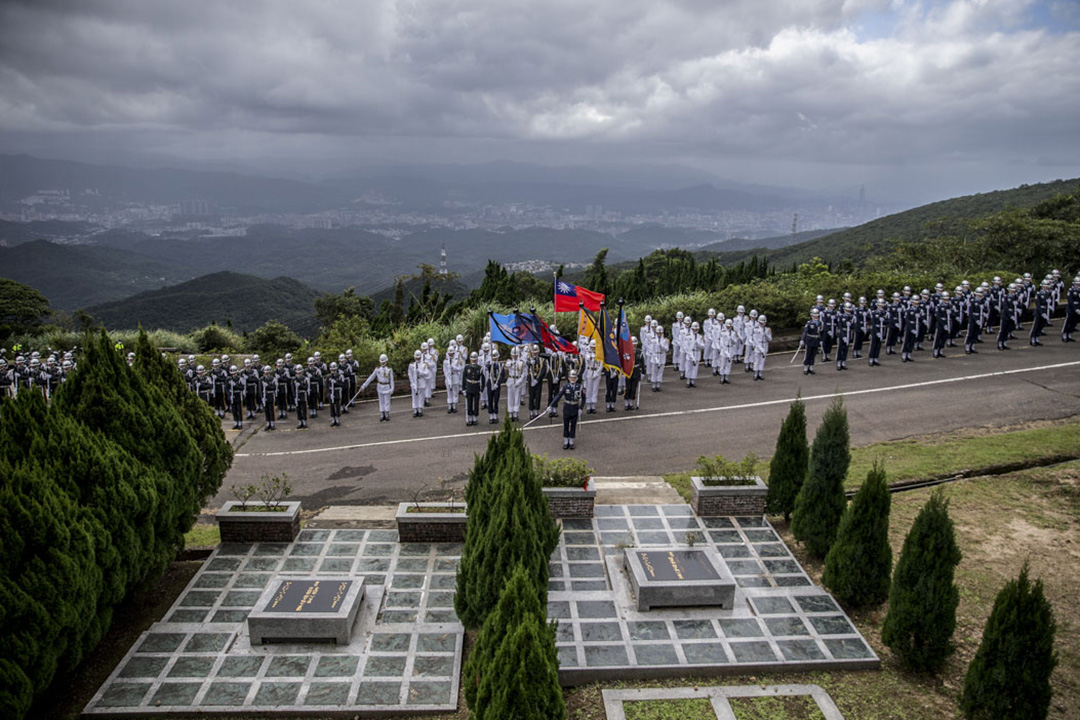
(568, 296)
(626, 345)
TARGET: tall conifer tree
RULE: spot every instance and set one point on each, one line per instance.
(922, 601)
(821, 500)
(859, 565)
(790, 462)
(1009, 678)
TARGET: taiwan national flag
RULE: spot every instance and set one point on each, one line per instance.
(568, 296)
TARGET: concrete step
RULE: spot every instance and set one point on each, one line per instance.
(635, 490)
(354, 516)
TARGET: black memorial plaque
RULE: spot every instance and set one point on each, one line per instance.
(309, 596)
(676, 565)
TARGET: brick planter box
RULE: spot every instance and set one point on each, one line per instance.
(268, 526)
(575, 502)
(729, 499)
(441, 527)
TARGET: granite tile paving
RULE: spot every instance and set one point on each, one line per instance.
(405, 655)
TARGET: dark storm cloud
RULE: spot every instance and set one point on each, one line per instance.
(857, 82)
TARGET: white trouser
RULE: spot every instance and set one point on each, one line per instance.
(759, 361)
(691, 364)
(384, 398)
(725, 364)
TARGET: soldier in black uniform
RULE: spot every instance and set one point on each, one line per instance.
(349, 372)
(220, 377)
(283, 380)
(302, 389)
(828, 334)
(943, 322)
(844, 324)
(896, 317)
(879, 330)
(611, 387)
(536, 371)
(472, 377)
(811, 340)
(235, 389)
(913, 325)
(974, 321)
(250, 376)
(270, 394)
(862, 327)
(573, 396)
(556, 373)
(315, 379)
(1042, 313)
(7, 383)
(496, 378)
(52, 376)
(1072, 311)
(336, 387)
(633, 383)
(1007, 310)
(204, 386)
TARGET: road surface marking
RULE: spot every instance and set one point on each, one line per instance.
(674, 413)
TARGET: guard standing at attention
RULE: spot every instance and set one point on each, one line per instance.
(811, 340)
(336, 387)
(384, 377)
(572, 395)
(472, 377)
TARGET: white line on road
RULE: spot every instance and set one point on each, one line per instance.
(674, 413)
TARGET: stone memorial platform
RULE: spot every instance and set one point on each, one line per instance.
(679, 577)
(307, 609)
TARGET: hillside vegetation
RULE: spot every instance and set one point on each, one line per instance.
(243, 302)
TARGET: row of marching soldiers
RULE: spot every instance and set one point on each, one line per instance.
(939, 317)
(30, 374)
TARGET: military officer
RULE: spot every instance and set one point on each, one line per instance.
(862, 327)
(315, 377)
(418, 372)
(710, 330)
(220, 377)
(1072, 311)
(726, 342)
(270, 395)
(828, 335)
(658, 358)
(472, 381)
(693, 345)
(1042, 312)
(250, 377)
(1007, 310)
(515, 383)
(844, 324)
(453, 366)
(234, 390)
(879, 320)
(811, 339)
(975, 311)
(383, 377)
(943, 323)
(496, 378)
(633, 382)
(572, 396)
(760, 337)
(536, 372)
(594, 370)
(336, 387)
(204, 386)
(302, 388)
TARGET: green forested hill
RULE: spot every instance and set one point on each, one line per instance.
(245, 301)
(879, 236)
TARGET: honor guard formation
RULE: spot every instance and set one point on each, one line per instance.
(837, 331)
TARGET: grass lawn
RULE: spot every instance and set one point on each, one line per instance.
(692, 709)
(202, 535)
(947, 454)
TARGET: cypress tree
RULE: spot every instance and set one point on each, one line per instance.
(517, 600)
(789, 464)
(521, 682)
(859, 565)
(196, 416)
(922, 601)
(1009, 678)
(821, 500)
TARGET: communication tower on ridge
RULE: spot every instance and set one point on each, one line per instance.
(442, 260)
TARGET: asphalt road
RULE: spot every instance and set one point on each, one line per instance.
(368, 462)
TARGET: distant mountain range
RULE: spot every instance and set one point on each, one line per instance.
(245, 302)
(428, 188)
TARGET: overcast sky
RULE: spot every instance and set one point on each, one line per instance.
(917, 99)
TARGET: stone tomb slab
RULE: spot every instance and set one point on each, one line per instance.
(679, 577)
(307, 609)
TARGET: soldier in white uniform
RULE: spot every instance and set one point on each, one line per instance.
(725, 350)
(693, 344)
(738, 324)
(658, 358)
(515, 383)
(433, 364)
(710, 331)
(593, 371)
(418, 376)
(676, 344)
(384, 377)
(748, 349)
(453, 367)
(761, 337)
